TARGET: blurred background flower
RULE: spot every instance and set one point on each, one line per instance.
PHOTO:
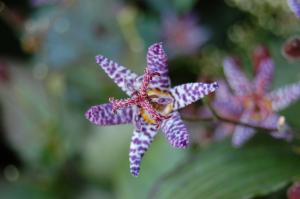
(183, 36)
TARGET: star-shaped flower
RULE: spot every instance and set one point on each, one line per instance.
(152, 105)
(249, 102)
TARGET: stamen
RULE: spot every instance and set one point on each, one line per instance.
(154, 114)
(141, 98)
(117, 104)
(148, 75)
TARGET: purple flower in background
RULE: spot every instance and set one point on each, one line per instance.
(250, 103)
(295, 7)
(152, 105)
(182, 34)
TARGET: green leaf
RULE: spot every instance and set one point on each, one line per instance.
(221, 171)
(18, 190)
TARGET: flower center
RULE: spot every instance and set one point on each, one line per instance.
(262, 105)
(155, 105)
(161, 101)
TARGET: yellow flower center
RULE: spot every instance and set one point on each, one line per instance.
(156, 96)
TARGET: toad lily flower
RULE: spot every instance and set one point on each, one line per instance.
(152, 105)
(250, 103)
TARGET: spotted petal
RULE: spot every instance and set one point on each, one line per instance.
(142, 137)
(285, 96)
(122, 76)
(176, 131)
(264, 75)
(157, 62)
(236, 78)
(103, 115)
(188, 93)
(242, 133)
(295, 7)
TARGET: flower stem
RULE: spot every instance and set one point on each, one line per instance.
(217, 116)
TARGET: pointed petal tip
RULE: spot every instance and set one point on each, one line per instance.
(157, 44)
(243, 134)
(212, 87)
(99, 58)
(135, 171)
(236, 142)
(215, 85)
(156, 48)
(89, 114)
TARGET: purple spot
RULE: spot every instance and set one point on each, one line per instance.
(146, 142)
(184, 97)
(141, 149)
(133, 158)
(137, 141)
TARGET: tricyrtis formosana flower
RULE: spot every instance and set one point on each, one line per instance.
(152, 104)
(250, 102)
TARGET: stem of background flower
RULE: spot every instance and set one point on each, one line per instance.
(217, 116)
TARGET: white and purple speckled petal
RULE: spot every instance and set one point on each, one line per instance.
(157, 62)
(175, 131)
(283, 97)
(142, 137)
(188, 93)
(264, 75)
(103, 115)
(295, 7)
(241, 133)
(122, 76)
(236, 78)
